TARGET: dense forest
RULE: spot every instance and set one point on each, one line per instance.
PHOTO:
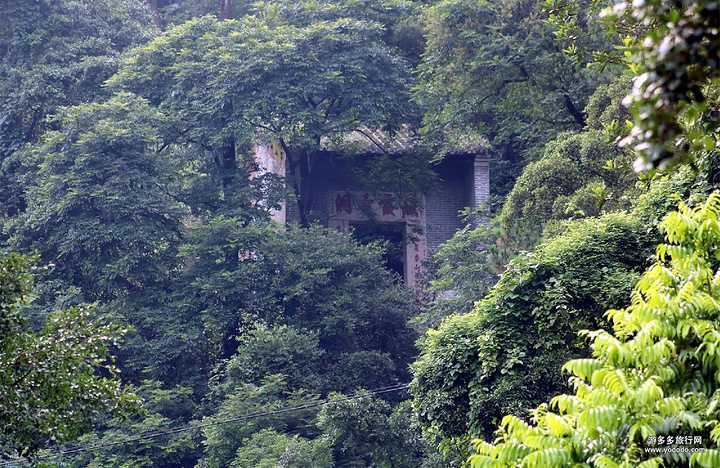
(153, 314)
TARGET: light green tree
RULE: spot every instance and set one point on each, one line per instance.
(54, 382)
(655, 377)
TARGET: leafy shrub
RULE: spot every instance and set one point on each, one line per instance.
(504, 356)
(570, 181)
(656, 376)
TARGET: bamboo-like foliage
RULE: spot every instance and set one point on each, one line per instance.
(657, 374)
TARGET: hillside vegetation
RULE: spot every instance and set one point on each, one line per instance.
(152, 313)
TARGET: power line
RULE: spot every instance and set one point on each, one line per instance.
(217, 422)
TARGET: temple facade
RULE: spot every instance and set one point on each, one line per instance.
(420, 222)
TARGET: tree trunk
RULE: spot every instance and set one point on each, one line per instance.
(299, 183)
(305, 188)
(155, 12)
(228, 169)
(576, 114)
(225, 9)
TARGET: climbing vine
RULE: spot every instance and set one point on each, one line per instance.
(651, 383)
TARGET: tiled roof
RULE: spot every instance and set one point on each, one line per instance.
(375, 141)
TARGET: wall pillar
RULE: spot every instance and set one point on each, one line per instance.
(481, 184)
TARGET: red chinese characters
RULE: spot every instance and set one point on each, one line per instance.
(343, 203)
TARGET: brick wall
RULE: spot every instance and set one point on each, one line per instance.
(442, 205)
(461, 183)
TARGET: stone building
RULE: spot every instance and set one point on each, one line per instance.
(419, 222)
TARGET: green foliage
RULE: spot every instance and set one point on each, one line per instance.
(463, 271)
(340, 292)
(309, 320)
(504, 355)
(329, 290)
(367, 432)
(173, 12)
(54, 381)
(56, 53)
(162, 409)
(674, 100)
(146, 201)
(296, 75)
(579, 176)
(264, 351)
(268, 449)
(656, 375)
(582, 33)
(692, 183)
(494, 66)
(605, 110)
(398, 18)
(94, 204)
(226, 442)
(670, 49)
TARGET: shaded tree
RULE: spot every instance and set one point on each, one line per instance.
(95, 204)
(56, 53)
(298, 75)
(493, 67)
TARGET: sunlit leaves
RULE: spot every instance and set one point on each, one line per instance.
(655, 376)
(53, 382)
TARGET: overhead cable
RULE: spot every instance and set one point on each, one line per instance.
(209, 423)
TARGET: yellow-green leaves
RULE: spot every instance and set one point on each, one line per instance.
(657, 375)
(582, 368)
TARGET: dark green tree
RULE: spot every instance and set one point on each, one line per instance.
(492, 67)
(56, 53)
(312, 279)
(232, 444)
(95, 205)
(162, 409)
(299, 76)
(269, 449)
(373, 432)
(264, 351)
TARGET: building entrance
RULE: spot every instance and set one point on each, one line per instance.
(392, 235)
(384, 215)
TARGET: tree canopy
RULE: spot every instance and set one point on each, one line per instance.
(652, 379)
(51, 389)
(153, 314)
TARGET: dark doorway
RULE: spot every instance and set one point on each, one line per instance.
(392, 235)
